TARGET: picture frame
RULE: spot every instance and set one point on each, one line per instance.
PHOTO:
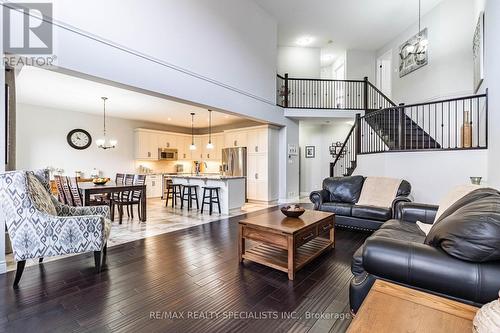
(412, 55)
(478, 52)
(310, 152)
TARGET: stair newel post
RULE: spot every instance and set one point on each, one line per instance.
(285, 100)
(401, 127)
(357, 137)
(365, 92)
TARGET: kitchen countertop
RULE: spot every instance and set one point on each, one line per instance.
(208, 177)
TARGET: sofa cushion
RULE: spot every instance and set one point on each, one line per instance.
(338, 208)
(372, 212)
(470, 228)
(393, 229)
(40, 196)
(344, 189)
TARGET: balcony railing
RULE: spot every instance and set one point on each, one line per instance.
(299, 93)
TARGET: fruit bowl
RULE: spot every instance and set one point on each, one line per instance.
(292, 211)
(100, 181)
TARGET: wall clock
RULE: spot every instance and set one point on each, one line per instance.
(79, 139)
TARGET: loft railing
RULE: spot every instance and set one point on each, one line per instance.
(450, 124)
(300, 93)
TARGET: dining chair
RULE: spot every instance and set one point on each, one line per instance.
(60, 191)
(129, 199)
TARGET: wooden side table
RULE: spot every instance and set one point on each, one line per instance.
(393, 308)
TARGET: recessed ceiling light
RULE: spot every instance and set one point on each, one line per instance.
(169, 119)
(304, 41)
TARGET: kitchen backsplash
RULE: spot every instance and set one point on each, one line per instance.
(172, 167)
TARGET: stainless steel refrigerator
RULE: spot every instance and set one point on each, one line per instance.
(234, 163)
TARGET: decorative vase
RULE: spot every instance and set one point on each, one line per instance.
(466, 131)
(476, 180)
(487, 319)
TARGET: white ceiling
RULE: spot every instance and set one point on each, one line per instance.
(350, 24)
(55, 90)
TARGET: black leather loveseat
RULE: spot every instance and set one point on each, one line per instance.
(340, 195)
(458, 259)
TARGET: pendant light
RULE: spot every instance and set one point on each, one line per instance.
(422, 42)
(103, 143)
(192, 146)
(210, 145)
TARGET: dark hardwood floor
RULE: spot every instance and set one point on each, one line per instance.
(188, 272)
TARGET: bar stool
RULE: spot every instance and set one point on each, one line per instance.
(174, 191)
(212, 196)
(190, 193)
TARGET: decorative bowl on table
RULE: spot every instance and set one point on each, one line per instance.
(292, 211)
(100, 181)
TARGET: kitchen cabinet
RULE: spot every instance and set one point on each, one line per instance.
(146, 145)
(258, 140)
(154, 186)
(183, 143)
(235, 139)
(168, 141)
(257, 176)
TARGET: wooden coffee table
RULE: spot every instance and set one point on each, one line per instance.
(393, 308)
(285, 243)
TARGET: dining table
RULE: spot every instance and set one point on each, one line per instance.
(87, 189)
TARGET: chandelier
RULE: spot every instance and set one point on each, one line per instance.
(104, 143)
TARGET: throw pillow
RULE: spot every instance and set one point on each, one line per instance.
(453, 196)
(40, 196)
(425, 227)
(470, 228)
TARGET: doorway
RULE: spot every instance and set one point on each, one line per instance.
(384, 80)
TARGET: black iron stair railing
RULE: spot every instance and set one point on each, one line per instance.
(450, 124)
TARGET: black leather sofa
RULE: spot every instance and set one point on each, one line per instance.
(340, 195)
(458, 259)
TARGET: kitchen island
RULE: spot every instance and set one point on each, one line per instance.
(232, 191)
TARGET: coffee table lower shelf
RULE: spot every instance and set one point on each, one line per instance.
(272, 256)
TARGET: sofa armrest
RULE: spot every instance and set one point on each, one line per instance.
(319, 197)
(396, 202)
(413, 212)
(430, 268)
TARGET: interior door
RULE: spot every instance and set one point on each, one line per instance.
(384, 64)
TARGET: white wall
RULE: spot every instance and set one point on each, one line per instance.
(299, 62)
(41, 141)
(492, 82)
(360, 63)
(314, 170)
(431, 174)
(449, 70)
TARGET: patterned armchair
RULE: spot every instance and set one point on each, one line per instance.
(40, 226)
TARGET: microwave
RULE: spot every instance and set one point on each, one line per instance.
(167, 154)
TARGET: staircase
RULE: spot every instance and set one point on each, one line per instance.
(451, 124)
(385, 123)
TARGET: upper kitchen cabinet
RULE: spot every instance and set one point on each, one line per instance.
(258, 140)
(168, 140)
(146, 145)
(235, 138)
(183, 143)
